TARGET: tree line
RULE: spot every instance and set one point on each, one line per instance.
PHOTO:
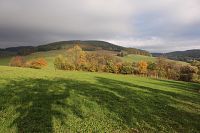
(19, 61)
(79, 60)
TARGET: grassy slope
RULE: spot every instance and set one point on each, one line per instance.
(48, 55)
(4, 61)
(137, 58)
(58, 101)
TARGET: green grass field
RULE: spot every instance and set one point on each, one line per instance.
(137, 58)
(68, 101)
(48, 55)
(4, 61)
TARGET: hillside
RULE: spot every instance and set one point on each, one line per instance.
(187, 55)
(56, 101)
(85, 45)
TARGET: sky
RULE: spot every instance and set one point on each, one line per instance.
(153, 25)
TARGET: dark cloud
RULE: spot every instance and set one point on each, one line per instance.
(152, 25)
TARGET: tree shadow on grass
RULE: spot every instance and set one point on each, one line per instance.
(34, 100)
(153, 106)
(187, 86)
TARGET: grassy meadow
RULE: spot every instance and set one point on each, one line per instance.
(137, 58)
(4, 61)
(69, 101)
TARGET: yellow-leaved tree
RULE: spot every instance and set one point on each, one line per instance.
(77, 57)
(142, 67)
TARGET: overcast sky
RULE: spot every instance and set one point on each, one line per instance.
(153, 25)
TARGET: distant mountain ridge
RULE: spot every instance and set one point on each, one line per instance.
(187, 55)
(90, 45)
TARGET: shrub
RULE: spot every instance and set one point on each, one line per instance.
(173, 71)
(127, 68)
(92, 62)
(122, 53)
(109, 67)
(59, 62)
(188, 73)
(151, 66)
(161, 67)
(152, 69)
(197, 64)
(17, 61)
(37, 63)
(102, 62)
(68, 66)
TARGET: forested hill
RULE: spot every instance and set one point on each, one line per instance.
(85, 45)
(187, 55)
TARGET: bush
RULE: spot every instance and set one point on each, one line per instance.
(188, 73)
(59, 62)
(92, 62)
(196, 64)
(122, 54)
(37, 63)
(68, 66)
(151, 66)
(161, 67)
(127, 68)
(173, 71)
(109, 67)
(62, 63)
(17, 61)
(151, 69)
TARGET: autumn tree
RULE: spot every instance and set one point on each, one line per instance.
(173, 70)
(196, 64)
(122, 53)
(77, 57)
(93, 62)
(152, 69)
(161, 66)
(37, 63)
(111, 64)
(142, 67)
(127, 68)
(59, 62)
(17, 61)
(188, 73)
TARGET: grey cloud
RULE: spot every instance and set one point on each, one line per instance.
(34, 22)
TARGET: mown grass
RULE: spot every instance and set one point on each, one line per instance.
(69, 101)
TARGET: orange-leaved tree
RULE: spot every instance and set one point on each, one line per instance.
(37, 63)
(142, 67)
(17, 61)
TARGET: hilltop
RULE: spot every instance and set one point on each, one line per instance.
(187, 55)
